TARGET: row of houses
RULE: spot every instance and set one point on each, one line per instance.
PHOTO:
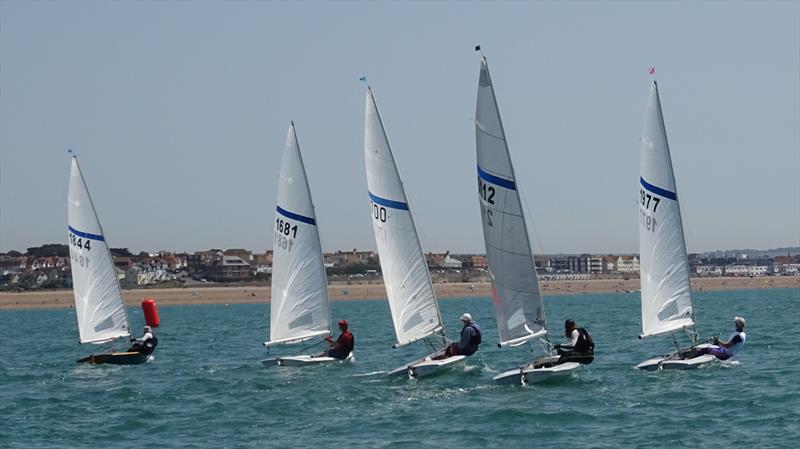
(240, 264)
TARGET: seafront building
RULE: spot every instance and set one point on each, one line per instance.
(49, 266)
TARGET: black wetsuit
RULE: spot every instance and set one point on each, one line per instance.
(581, 352)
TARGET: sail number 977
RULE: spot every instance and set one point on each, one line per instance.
(648, 199)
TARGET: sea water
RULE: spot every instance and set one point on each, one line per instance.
(206, 386)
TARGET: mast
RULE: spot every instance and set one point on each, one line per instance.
(412, 300)
(99, 305)
(664, 267)
(517, 299)
(299, 308)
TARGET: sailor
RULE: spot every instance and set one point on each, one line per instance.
(724, 350)
(470, 338)
(343, 346)
(146, 344)
(580, 348)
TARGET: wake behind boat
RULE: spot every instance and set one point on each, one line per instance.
(516, 295)
(299, 307)
(99, 306)
(412, 301)
(666, 295)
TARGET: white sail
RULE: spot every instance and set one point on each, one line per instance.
(515, 289)
(666, 292)
(299, 307)
(98, 298)
(405, 271)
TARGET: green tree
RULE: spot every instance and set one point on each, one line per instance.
(120, 252)
(48, 250)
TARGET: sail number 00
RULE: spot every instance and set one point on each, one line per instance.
(378, 212)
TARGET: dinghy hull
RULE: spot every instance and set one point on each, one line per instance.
(540, 370)
(304, 360)
(426, 366)
(677, 361)
(116, 358)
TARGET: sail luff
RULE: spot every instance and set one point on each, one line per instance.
(412, 301)
(515, 288)
(666, 296)
(299, 307)
(99, 304)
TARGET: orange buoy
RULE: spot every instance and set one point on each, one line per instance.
(150, 312)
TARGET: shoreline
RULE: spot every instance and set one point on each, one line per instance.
(372, 290)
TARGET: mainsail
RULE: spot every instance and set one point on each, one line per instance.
(405, 272)
(99, 305)
(299, 308)
(666, 291)
(515, 289)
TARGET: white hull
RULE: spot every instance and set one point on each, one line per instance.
(537, 371)
(426, 366)
(673, 361)
(304, 360)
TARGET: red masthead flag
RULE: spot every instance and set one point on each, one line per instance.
(651, 70)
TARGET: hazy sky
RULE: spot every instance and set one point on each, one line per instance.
(178, 112)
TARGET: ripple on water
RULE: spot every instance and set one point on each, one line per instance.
(222, 395)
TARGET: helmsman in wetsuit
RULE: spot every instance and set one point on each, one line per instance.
(146, 344)
(470, 338)
(724, 350)
(580, 348)
(343, 346)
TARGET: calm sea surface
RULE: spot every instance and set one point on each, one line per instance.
(207, 387)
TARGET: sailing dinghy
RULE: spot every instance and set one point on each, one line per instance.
(412, 301)
(299, 308)
(666, 294)
(515, 288)
(99, 307)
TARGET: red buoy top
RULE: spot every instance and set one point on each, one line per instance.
(150, 312)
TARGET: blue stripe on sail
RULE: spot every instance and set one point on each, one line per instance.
(495, 180)
(294, 216)
(86, 235)
(658, 190)
(387, 203)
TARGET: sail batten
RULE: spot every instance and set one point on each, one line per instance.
(515, 288)
(99, 305)
(299, 307)
(412, 301)
(666, 296)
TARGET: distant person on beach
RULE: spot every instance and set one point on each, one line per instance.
(724, 350)
(343, 346)
(146, 344)
(470, 339)
(580, 348)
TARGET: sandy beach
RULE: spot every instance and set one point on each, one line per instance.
(374, 290)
